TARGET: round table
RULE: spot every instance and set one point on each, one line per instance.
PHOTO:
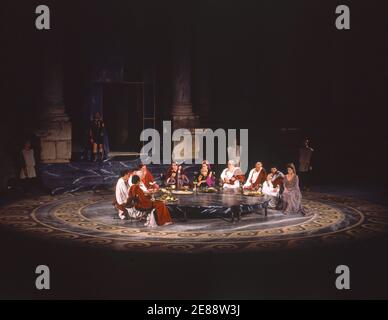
(228, 205)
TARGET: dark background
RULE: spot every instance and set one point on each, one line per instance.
(272, 65)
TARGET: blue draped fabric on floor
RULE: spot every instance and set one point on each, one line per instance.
(85, 175)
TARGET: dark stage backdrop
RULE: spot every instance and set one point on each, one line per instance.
(270, 65)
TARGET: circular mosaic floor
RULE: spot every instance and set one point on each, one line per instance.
(89, 218)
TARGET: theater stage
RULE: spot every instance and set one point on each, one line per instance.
(92, 254)
(89, 219)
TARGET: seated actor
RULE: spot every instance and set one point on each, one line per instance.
(176, 176)
(232, 177)
(171, 180)
(135, 173)
(207, 163)
(143, 201)
(140, 174)
(122, 187)
(270, 190)
(147, 178)
(277, 176)
(256, 177)
(122, 193)
(206, 177)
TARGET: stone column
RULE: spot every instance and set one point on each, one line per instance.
(202, 76)
(55, 126)
(203, 103)
(182, 109)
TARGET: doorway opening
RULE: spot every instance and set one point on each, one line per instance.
(122, 103)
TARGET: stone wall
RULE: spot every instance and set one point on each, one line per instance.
(55, 138)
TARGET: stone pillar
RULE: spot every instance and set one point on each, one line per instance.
(203, 92)
(182, 109)
(202, 76)
(55, 126)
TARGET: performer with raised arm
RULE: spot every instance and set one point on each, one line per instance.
(232, 177)
(292, 197)
(256, 177)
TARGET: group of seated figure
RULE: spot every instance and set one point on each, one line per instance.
(283, 189)
(134, 189)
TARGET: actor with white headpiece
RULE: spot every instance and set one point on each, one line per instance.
(232, 176)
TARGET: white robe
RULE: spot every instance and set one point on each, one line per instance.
(253, 174)
(229, 174)
(29, 160)
(121, 192)
(269, 190)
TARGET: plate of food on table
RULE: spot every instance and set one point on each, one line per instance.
(252, 193)
(182, 191)
(167, 198)
(208, 190)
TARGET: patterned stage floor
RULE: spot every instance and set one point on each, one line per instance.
(88, 218)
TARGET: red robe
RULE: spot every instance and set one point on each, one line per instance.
(260, 179)
(148, 178)
(144, 202)
(278, 182)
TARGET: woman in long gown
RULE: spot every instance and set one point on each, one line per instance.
(143, 201)
(292, 197)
